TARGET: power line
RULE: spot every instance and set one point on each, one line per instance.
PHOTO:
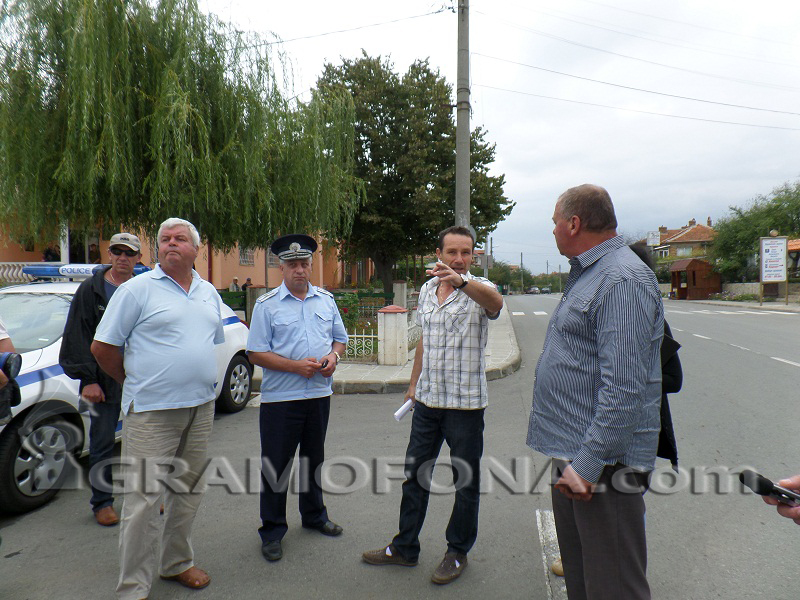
(646, 112)
(317, 35)
(737, 34)
(627, 87)
(694, 47)
(651, 62)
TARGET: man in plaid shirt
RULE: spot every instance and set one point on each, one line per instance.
(448, 387)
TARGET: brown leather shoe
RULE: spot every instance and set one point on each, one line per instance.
(557, 567)
(106, 516)
(450, 569)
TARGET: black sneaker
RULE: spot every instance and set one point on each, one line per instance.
(387, 556)
(450, 568)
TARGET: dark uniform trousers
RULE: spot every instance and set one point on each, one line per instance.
(284, 426)
(602, 541)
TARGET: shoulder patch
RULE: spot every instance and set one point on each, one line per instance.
(267, 296)
(323, 291)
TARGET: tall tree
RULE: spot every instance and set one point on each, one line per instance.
(736, 243)
(405, 154)
(124, 113)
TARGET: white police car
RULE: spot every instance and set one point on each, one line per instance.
(50, 425)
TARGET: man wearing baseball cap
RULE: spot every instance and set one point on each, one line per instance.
(297, 337)
(96, 387)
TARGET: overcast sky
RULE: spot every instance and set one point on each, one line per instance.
(526, 64)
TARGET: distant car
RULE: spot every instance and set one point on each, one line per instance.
(50, 423)
(545, 290)
(532, 290)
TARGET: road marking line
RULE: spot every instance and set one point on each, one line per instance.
(517, 314)
(754, 312)
(704, 311)
(778, 312)
(678, 312)
(783, 360)
(728, 312)
(702, 337)
(539, 313)
(741, 347)
(546, 525)
(676, 329)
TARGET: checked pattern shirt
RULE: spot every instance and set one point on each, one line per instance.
(454, 338)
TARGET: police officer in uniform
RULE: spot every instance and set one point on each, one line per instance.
(297, 337)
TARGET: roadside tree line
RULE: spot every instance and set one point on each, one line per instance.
(121, 114)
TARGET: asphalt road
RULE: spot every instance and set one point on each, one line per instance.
(738, 408)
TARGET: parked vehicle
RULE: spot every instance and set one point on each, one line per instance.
(545, 290)
(532, 290)
(50, 425)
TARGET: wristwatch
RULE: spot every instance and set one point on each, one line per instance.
(338, 358)
(464, 278)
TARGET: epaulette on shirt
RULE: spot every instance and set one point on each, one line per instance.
(266, 296)
(323, 291)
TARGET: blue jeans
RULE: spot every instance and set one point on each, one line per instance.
(104, 419)
(463, 432)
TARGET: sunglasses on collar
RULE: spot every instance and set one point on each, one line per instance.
(117, 251)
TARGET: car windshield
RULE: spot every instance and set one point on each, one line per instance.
(34, 320)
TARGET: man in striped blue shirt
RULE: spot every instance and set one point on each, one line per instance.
(596, 400)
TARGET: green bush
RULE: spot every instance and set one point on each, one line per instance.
(348, 309)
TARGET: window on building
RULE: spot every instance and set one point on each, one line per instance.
(683, 251)
(246, 257)
(272, 259)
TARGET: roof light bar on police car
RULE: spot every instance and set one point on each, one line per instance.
(72, 271)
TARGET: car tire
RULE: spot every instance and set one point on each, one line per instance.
(34, 461)
(236, 386)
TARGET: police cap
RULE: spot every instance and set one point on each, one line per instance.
(294, 246)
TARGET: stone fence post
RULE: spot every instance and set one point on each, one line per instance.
(392, 335)
(400, 289)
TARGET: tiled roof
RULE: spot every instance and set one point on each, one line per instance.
(793, 245)
(695, 233)
(668, 234)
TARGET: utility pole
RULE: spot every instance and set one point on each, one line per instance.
(462, 117)
(521, 275)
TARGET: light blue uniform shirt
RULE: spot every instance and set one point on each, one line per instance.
(295, 329)
(169, 339)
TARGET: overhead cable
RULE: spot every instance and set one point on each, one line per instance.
(627, 87)
(646, 112)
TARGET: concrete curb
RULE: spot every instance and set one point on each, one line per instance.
(503, 358)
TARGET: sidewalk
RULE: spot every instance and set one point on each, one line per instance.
(502, 358)
(778, 305)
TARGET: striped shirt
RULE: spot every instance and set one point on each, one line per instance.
(597, 393)
(454, 337)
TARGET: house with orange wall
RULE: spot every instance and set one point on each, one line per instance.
(217, 267)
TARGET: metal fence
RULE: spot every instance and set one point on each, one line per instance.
(11, 272)
(361, 345)
(236, 300)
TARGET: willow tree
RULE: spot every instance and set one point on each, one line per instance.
(123, 112)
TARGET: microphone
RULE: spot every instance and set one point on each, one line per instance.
(764, 487)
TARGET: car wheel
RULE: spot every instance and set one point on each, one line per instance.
(236, 386)
(34, 461)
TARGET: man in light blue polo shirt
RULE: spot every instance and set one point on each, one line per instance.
(167, 321)
(297, 336)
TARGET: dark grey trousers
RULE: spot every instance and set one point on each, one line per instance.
(602, 542)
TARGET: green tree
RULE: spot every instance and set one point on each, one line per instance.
(124, 113)
(736, 243)
(405, 154)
